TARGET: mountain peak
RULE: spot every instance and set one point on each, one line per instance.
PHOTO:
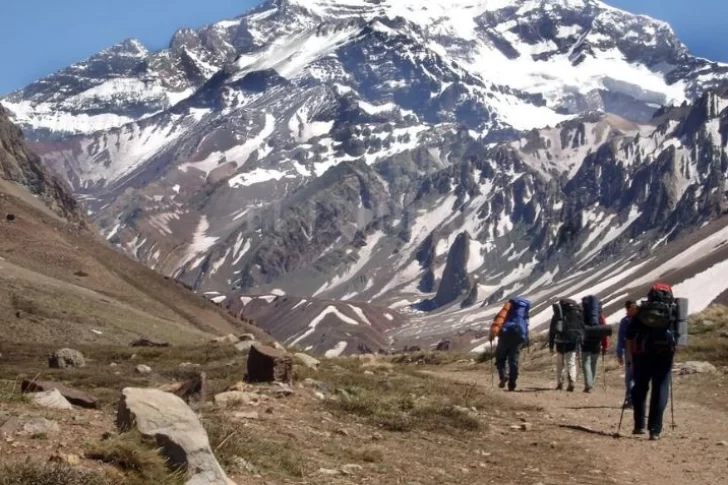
(129, 47)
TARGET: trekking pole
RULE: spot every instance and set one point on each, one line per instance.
(492, 366)
(604, 370)
(672, 404)
(621, 417)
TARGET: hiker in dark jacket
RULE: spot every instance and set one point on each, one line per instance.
(653, 352)
(624, 358)
(511, 328)
(566, 346)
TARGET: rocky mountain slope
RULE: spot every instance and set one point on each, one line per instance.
(426, 157)
(60, 283)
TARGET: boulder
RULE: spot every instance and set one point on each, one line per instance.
(74, 396)
(443, 346)
(66, 359)
(697, 368)
(194, 389)
(51, 400)
(10, 427)
(145, 342)
(35, 426)
(307, 360)
(266, 364)
(166, 418)
(247, 337)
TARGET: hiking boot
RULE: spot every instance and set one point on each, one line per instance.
(654, 436)
(570, 388)
(511, 386)
(502, 383)
(587, 390)
(639, 431)
(559, 386)
(627, 405)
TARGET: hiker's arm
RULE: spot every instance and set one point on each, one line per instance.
(552, 332)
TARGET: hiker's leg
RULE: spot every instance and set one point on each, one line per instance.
(639, 391)
(501, 355)
(571, 366)
(594, 366)
(560, 358)
(586, 368)
(513, 359)
(661, 371)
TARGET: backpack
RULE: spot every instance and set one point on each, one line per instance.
(570, 326)
(660, 310)
(592, 313)
(517, 320)
(659, 318)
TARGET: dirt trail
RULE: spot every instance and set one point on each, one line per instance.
(695, 452)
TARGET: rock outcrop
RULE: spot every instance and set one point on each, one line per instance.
(266, 364)
(66, 359)
(176, 429)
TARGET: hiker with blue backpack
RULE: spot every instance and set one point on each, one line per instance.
(594, 340)
(511, 327)
(653, 336)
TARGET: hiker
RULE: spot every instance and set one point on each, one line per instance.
(652, 337)
(565, 335)
(592, 344)
(624, 358)
(511, 327)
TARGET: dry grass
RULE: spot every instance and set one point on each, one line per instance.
(32, 473)
(223, 364)
(708, 336)
(267, 454)
(401, 401)
(136, 458)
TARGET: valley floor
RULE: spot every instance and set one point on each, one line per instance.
(365, 420)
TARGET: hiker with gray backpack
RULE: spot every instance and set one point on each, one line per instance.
(594, 340)
(565, 336)
(653, 336)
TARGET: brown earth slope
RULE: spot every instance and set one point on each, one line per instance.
(61, 283)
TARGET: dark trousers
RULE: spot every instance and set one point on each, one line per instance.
(654, 369)
(508, 351)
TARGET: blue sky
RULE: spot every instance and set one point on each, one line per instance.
(38, 37)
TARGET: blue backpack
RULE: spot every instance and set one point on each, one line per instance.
(517, 321)
(592, 307)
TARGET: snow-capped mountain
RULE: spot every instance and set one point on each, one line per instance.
(396, 152)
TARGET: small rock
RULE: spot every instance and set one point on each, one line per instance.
(283, 390)
(247, 337)
(232, 398)
(66, 359)
(40, 426)
(52, 400)
(307, 360)
(143, 369)
(113, 364)
(244, 465)
(244, 346)
(329, 472)
(227, 339)
(251, 415)
(723, 443)
(368, 373)
(320, 395)
(689, 368)
(145, 342)
(72, 460)
(342, 432)
(377, 437)
(351, 469)
(239, 386)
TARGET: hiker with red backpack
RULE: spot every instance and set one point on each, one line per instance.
(511, 327)
(652, 339)
(594, 340)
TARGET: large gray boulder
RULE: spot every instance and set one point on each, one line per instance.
(66, 359)
(176, 429)
(52, 399)
(307, 360)
(694, 367)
